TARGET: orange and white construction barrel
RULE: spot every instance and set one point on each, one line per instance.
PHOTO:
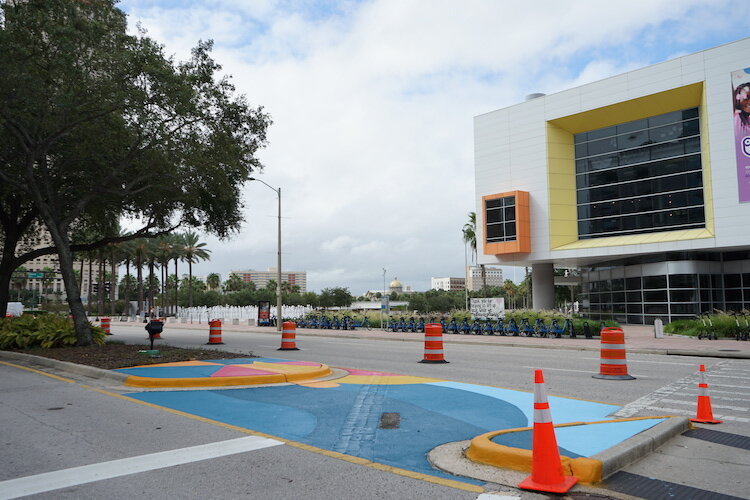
(214, 332)
(613, 363)
(105, 323)
(288, 336)
(433, 344)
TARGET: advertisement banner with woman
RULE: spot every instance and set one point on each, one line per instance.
(741, 103)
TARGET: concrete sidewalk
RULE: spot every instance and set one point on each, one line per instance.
(638, 338)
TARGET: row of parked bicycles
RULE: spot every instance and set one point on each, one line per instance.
(334, 323)
(455, 326)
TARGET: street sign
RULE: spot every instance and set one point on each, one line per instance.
(488, 308)
(34, 275)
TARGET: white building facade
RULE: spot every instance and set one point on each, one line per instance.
(493, 277)
(448, 284)
(642, 180)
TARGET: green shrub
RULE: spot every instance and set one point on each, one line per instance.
(44, 331)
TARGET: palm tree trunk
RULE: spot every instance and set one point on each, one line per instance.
(126, 309)
(112, 285)
(100, 292)
(190, 283)
(90, 295)
(176, 286)
(139, 285)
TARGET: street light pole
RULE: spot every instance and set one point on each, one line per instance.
(278, 256)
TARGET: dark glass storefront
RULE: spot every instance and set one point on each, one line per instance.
(668, 286)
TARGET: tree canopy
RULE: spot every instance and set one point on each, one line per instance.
(98, 125)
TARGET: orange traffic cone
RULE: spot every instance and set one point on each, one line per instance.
(546, 467)
(705, 414)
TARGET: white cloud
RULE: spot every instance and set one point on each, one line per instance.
(373, 103)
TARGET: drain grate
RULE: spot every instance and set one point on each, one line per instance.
(390, 421)
(718, 437)
(655, 489)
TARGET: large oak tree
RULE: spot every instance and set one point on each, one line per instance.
(97, 124)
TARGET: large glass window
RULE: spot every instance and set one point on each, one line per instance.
(640, 177)
(500, 217)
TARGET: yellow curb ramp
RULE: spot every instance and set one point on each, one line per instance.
(588, 470)
(278, 378)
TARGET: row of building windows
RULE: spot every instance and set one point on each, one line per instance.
(644, 187)
(643, 299)
(667, 201)
(500, 217)
(683, 218)
(656, 129)
(618, 175)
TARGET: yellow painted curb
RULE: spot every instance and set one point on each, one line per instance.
(483, 450)
(278, 378)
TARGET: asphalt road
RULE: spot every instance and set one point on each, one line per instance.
(50, 425)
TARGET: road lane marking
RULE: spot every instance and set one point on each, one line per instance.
(49, 481)
(631, 360)
(675, 411)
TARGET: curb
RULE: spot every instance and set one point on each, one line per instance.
(128, 380)
(84, 370)
(453, 457)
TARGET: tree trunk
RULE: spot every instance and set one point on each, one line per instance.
(100, 290)
(151, 307)
(126, 309)
(90, 295)
(80, 320)
(484, 277)
(176, 287)
(112, 285)
(139, 284)
(190, 283)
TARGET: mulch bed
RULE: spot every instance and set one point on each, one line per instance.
(112, 356)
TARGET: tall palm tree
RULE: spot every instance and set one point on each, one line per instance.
(194, 251)
(470, 236)
(213, 281)
(140, 247)
(178, 249)
(126, 255)
(164, 255)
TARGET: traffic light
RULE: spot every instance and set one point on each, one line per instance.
(95, 287)
(106, 286)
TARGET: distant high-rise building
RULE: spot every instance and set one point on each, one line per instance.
(261, 278)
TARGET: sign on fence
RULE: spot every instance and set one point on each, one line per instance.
(488, 308)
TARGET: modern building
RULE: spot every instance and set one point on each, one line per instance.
(448, 284)
(641, 180)
(261, 278)
(493, 277)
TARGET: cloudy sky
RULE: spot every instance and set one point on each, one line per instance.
(372, 103)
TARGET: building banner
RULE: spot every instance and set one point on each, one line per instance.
(741, 102)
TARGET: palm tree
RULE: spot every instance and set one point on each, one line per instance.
(164, 251)
(140, 247)
(511, 291)
(470, 237)
(213, 281)
(193, 252)
(178, 249)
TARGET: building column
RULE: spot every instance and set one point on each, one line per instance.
(543, 286)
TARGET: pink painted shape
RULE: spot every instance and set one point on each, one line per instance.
(365, 372)
(300, 363)
(239, 371)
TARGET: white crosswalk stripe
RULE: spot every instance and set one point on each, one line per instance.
(730, 397)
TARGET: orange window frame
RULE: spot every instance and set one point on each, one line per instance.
(522, 243)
